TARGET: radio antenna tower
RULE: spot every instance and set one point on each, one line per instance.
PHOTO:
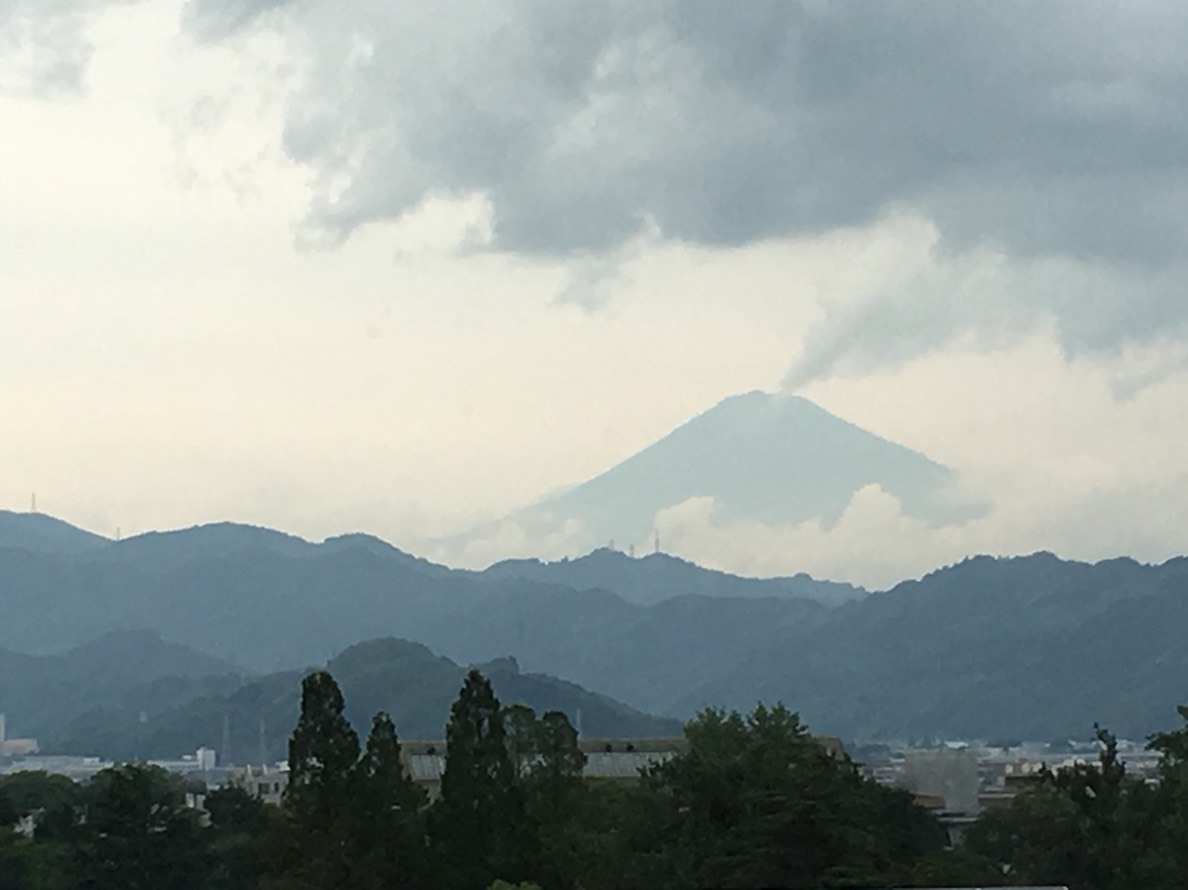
(657, 540)
(33, 506)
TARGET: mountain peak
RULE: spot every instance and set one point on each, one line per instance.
(42, 533)
(771, 458)
(177, 547)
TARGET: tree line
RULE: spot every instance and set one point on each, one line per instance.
(751, 801)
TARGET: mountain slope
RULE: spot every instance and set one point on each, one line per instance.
(1033, 647)
(41, 693)
(44, 534)
(773, 459)
(174, 549)
(415, 686)
(658, 576)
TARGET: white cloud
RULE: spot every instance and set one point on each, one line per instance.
(45, 46)
(874, 544)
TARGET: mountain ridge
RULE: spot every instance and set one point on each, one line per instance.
(165, 715)
(988, 646)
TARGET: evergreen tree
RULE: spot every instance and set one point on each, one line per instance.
(389, 833)
(481, 822)
(323, 751)
(552, 786)
(557, 768)
(520, 728)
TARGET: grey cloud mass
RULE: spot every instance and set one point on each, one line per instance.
(218, 20)
(1043, 132)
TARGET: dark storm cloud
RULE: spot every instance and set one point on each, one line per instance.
(1037, 130)
(43, 44)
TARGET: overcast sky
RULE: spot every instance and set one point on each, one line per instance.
(330, 265)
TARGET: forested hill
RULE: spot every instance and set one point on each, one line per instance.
(45, 534)
(164, 716)
(1033, 647)
(217, 586)
(655, 577)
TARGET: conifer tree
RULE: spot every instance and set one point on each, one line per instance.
(389, 831)
(480, 822)
(323, 751)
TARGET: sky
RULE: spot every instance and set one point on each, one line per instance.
(401, 268)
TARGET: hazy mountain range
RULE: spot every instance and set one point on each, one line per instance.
(1026, 647)
(129, 694)
(1031, 646)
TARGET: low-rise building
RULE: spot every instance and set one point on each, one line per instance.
(15, 747)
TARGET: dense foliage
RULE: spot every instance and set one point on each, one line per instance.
(751, 801)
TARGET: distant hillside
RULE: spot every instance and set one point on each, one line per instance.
(654, 578)
(45, 534)
(767, 458)
(405, 679)
(160, 551)
(1035, 647)
(1026, 647)
(39, 694)
(219, 586)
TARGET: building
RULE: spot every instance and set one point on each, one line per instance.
(15, 747)
(621, 760)
(266, 783)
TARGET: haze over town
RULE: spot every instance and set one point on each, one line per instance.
(333, 266)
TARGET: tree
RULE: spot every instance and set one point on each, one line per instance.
(1087, 826)
(1040, 837)
(550, 765)
(557, 768)
(323, 751)
(520, 728)
(239, 834)
(480, 822)
(9, 815)
(757, 802)
(389, 832)
(1164, 861)
(51, 799)
(138, 832)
